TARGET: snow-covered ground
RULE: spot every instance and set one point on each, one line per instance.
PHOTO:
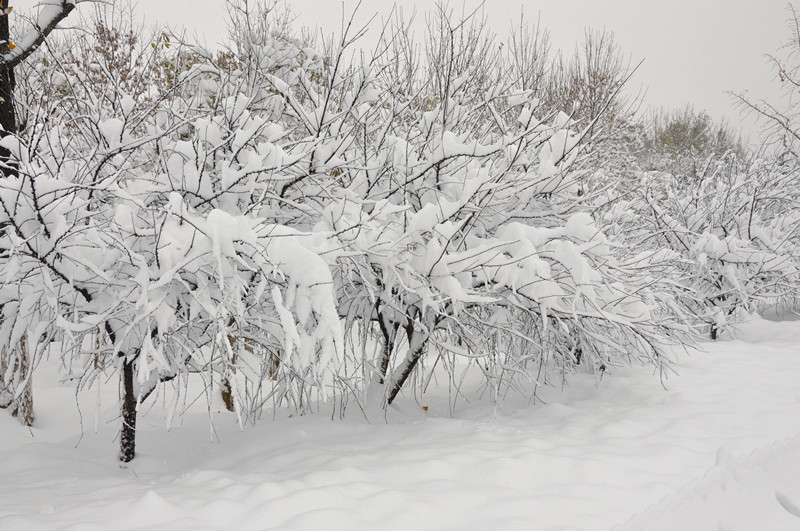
(718, 448)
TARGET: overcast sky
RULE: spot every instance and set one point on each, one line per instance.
(694, 50)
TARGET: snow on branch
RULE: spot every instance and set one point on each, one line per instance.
(51, 13)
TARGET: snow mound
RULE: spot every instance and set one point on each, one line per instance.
(759, 491)
(717, 447)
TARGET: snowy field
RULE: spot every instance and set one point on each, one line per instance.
(718, 448)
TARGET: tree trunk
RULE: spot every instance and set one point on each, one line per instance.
(227, 389)
(227, 393)
(127, 439)
(389, 331)
(20, 403)
(23, 409)
(8, 119)
(417, 342)
(405, 370)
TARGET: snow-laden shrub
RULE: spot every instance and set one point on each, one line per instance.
(142, 233)
(732, 235)
(466, 216)
(241, 220)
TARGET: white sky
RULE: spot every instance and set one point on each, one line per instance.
(694, 50)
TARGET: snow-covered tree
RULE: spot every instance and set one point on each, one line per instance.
(683, 142)
(264, 216)
(141, 231)
(15, 362)
(781, 120)
(472, 218)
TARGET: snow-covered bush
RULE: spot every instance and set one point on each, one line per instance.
(140, 233)
(731, 234)
(247, 212)
(470, 220)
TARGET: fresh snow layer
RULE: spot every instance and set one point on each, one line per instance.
(717, 448)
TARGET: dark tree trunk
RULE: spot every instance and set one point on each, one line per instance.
(227, 395)
(417, 343)
(410, 363)
(8, 119)
(127, 439)
(389, 331)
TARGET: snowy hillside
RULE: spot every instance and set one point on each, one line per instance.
(718, 448)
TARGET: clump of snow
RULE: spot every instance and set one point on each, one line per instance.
(111, 129)
(127, 104)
